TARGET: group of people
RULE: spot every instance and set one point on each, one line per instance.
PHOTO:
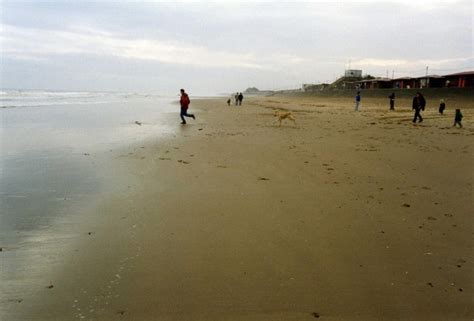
(418, 105)
(184, 101)
(238, 99)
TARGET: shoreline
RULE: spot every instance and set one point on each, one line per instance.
(233, 218)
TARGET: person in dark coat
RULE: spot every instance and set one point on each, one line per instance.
(442, 106)
(418, 105)
(457, 118)
(392, 101)
(241, 97)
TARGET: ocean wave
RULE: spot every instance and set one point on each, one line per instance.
(37, 98)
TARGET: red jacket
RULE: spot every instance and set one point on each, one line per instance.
(184, 101)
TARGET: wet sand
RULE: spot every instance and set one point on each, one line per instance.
(341, 216)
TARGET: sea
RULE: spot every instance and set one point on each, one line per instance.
(54, 149)
(44, 136)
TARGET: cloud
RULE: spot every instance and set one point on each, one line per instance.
(219, 46)
(373, 62)
(410, 66)
(21, 43)
(39, 44)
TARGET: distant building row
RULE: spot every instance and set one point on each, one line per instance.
(350, 81)
(459, 80)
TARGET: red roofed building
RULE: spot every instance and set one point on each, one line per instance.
(403, 82)
(460, 79)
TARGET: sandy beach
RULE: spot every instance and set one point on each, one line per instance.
(341, 216)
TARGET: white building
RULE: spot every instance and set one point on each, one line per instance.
(353, 73)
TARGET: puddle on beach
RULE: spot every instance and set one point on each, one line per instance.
(55, 162)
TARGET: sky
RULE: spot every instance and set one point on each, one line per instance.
(221, 47)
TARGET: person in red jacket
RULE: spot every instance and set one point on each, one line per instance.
(184, 101)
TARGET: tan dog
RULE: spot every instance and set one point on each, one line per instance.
(284, 115)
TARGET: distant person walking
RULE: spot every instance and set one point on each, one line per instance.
(418, 105)
(241, 97)
(236, 99)
(184, 101)
(357, 101)
(457, 118)
(228, 102)
(392, 101)
(442, 106)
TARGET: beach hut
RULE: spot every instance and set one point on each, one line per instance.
(460, 79)
(430, 81)
(375, 83)
(403, 82)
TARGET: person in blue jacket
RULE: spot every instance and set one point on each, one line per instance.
(357, 101)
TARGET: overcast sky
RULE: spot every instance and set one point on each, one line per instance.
(209, 47)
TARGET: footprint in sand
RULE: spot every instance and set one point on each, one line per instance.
(460, 262)
(263, 179)
(182, 161)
